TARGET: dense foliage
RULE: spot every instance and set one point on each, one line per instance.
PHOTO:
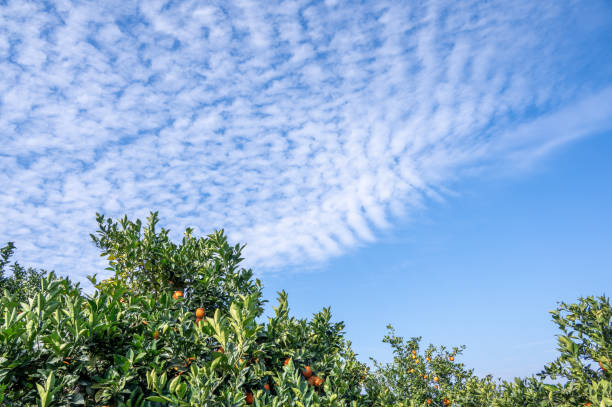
(181, 325)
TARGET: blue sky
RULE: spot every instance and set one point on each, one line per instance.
(376, 156)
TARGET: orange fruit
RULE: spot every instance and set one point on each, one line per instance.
(436, 379)
(414, 352)
(411, 370)
(318, 381)
(424, 376)
(416, 361)
(428, 359)
(286, 362)
(311, 380)
(200, 313)
(452, 358)
(413, 356)
(249, 398)
(307, 372)
(156, 335)
(267, 387)
(177, 294)
(436, 386)
(198, 320)
(428, 401)
(446, 401)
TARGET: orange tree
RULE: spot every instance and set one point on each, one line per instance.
(21, 282)
(141, 340)
(206, 270)
(134, 342)
(580, 376)
(585, 347)
(425, 377)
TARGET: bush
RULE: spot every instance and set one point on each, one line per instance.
(132, 343)
(136, 342)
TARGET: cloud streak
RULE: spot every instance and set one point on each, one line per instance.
(302, 128)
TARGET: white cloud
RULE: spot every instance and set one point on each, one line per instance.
(302, 129)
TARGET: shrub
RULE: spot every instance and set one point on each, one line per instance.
(131, 343)
(136, 342)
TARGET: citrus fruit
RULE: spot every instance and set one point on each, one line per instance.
(307, 372)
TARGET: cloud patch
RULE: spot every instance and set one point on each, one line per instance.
(302, 128)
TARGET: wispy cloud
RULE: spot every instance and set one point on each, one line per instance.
(301, 127)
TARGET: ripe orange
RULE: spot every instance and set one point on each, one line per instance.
(307, 372)
(286, 362)
(436, 386)
(436, 379)
(249, 398)
(311, 380)
(200, 313)
(198, 320)
(428, 359)
(414, 352)
(424, 376)
(177, 294)
(156, 335)
(267, 387)
(452, 358)
(318, 381)
(446, 401)
(428, 401)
